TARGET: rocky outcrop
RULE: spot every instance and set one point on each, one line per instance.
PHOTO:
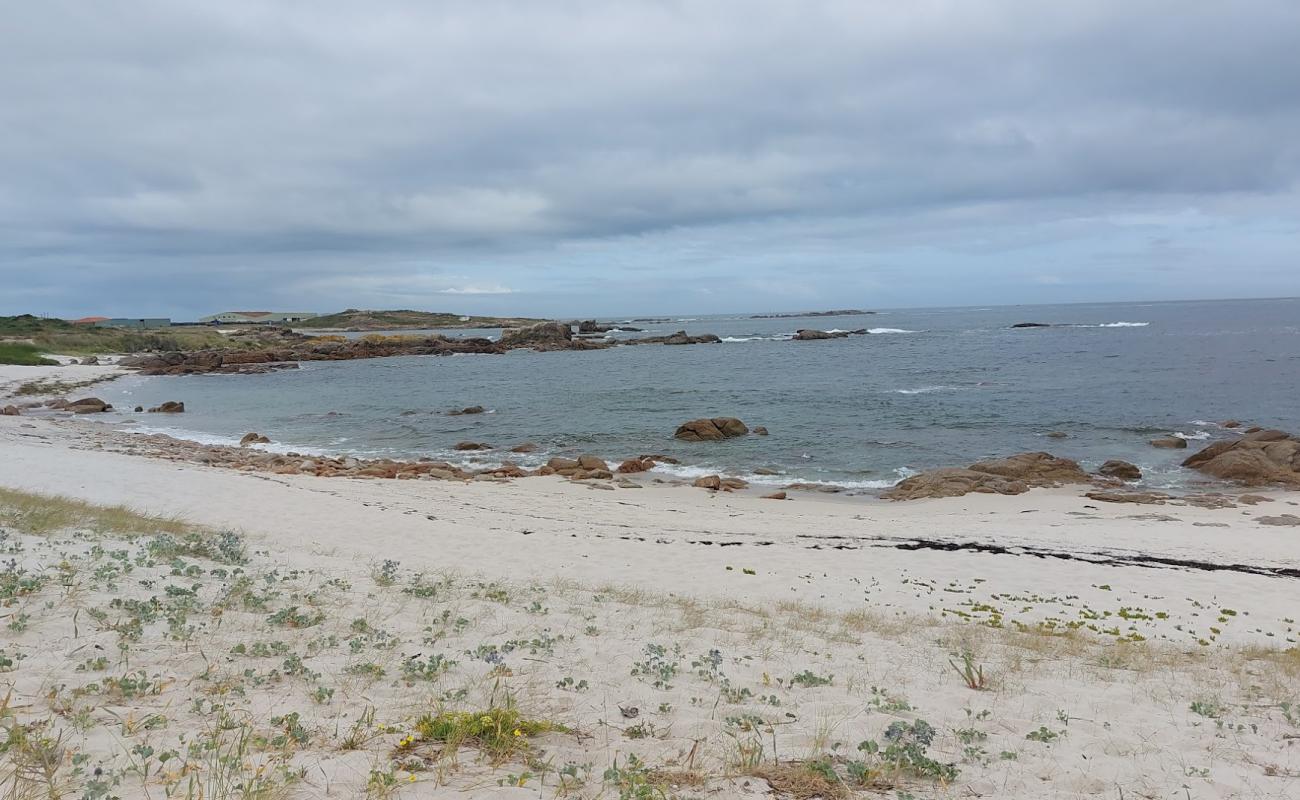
(467, 410)
(633, 465)
(472, 446)
(711, 430)
(1014, 475)
(775, 496)
(809, 335)
(9, 411)
(526, 447)
(1259, 458)
(168, 407)
(542, 336)
(681, 337)
(1122, 470)
(759, 431)
(253, 438)
(1169, 443)
(1282, 520)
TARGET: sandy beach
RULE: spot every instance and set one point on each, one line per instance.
(751, 644)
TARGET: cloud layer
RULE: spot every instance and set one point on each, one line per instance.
(584, 157)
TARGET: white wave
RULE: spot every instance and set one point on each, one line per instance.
(1113, 325)
(199, 437)
(1195, 437)
(928, 389)
(780, 337)
(691, 472)
(889, 330)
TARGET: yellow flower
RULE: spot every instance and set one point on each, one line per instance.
(518, 732)
(411, 779)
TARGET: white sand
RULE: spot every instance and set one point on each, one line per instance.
(1126, 726)
(13, 376)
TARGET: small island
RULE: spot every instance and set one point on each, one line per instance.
(843, 312)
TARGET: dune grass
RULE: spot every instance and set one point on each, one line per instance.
(27, 355)
(43, 514)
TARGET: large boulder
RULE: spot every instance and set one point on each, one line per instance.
(253, 438)
(1122, 470)
(1035, 469)
(87, 405)
(9, 411)
(472, 446)
(1261, 458)
(1013, 475)
(589, 462)
(169, 407)
(952, 482)
(711, 430)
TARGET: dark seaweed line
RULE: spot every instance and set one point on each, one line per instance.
(1105, 559)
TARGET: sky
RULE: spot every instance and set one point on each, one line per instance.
(179, 158)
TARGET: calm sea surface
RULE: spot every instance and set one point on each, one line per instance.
(927, 388)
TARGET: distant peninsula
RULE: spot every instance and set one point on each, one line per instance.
(843, 312)
(358, 320)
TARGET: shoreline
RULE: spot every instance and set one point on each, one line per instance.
(504, 463)
(1057, 527)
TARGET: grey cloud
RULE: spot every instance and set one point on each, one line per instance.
(245, 150)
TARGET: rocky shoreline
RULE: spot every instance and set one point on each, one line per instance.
(1260, 458)
(266, 351)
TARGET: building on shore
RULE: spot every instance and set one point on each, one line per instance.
(257, 317)
(144, 323)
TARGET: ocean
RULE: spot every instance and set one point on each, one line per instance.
(926, 388)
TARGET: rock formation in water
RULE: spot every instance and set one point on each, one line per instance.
(1013, 475)
(1258, 458)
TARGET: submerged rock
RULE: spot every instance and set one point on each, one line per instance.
(1170, 443)
(472, 446)
(169, 407)
(253, 438)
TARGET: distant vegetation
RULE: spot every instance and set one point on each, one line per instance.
(356, 319)
(27, 333)
(24, 354)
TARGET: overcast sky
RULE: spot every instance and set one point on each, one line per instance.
(178, 158)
